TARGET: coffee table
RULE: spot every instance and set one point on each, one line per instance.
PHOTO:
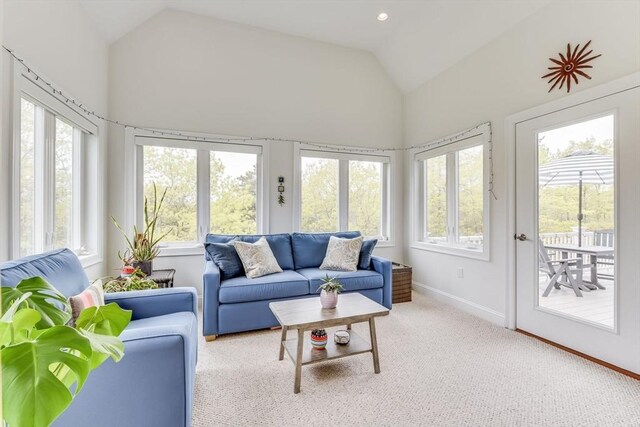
(305, 314)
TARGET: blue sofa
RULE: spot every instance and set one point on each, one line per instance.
(242, 304)
(153, 383)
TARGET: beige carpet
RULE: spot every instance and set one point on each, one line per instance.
(440, 367)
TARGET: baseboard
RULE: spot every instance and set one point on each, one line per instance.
(460, 303)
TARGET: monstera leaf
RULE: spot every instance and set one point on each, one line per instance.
(33, 395)
(101, 326)
(45, 299)
(45, 363)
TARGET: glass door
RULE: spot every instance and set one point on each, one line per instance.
(578, 230)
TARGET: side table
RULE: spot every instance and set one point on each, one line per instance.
(163, 278)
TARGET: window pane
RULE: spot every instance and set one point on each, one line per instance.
(27, 178)
(63, 170)
(470, 197)
(319, 194)
(436, 203)
(173, 169)
(233, 193)
(365, 197)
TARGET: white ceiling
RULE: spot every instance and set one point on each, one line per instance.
(420, 39)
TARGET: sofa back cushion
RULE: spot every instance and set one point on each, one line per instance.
(309, 249)
(60, 267)
(280, 245)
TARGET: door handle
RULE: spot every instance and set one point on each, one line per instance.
(522, 237)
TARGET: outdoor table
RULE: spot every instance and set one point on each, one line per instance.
(593, 251)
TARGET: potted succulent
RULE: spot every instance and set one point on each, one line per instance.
(330, 289)
(143, 246)
(319, 339)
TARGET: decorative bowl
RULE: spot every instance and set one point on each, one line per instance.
(342, 337)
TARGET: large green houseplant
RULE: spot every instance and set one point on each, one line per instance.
(45, 361)
(142, 247)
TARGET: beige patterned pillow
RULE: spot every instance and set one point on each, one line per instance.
(257, 258)
(342, 254)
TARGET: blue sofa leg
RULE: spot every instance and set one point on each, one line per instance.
(209, 338)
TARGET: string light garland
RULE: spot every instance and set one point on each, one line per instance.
(73, 103)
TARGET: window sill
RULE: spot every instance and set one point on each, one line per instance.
(89, 260)
(195, 249)
(450, 250)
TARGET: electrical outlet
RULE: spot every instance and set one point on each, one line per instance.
(460, 273)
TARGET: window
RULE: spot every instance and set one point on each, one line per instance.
(452, 202)
(210, 187)
(344, 191)
(55, 172)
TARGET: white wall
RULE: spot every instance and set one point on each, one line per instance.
(496, 81)
(57, 40)
(187, 72)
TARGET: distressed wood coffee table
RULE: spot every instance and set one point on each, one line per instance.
(306, 314)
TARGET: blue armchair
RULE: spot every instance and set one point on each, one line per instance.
(153, 383)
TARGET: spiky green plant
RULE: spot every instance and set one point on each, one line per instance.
(330, 284)
(144, 244)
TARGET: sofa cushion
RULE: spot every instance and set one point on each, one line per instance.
(224, 255)
(364, 263)
(309, 249)
(342, 254)
(350, 280)
(280, 245)
(93, 296)
(61, 268)
(278, 285)
(257, 258)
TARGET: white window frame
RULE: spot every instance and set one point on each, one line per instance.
(387, 158)
(449, 147)
(137, 139)
(88, 184)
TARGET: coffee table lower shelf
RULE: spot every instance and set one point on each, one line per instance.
(357, 345)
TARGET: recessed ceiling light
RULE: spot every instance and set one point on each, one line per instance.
(382, 16)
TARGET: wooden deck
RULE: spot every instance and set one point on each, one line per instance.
(596, 306)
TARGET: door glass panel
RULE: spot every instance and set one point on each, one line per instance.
(63, 214)
(233, 192)
(576, 211)
(319, 193)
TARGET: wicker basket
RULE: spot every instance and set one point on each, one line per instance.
(401, 283)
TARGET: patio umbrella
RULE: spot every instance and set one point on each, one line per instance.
(581, 167)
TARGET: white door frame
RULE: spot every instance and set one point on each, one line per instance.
(582, 97)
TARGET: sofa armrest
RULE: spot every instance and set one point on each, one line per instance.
(156, 302)
(210, 302)
(383, 266)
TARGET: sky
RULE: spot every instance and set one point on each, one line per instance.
(558, 139)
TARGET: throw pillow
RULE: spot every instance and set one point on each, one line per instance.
(365, 254)
(91, 297)
(257, 258)
(224, 255)
(342, 254)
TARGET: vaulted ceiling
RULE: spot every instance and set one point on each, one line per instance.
(420, 39)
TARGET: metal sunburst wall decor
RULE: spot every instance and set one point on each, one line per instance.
(569, 67)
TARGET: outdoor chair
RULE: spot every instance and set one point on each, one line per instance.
(558, 271)
(604, 238)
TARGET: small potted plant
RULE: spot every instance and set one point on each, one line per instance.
(319, 339)
(143, 246)
(330, 289)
